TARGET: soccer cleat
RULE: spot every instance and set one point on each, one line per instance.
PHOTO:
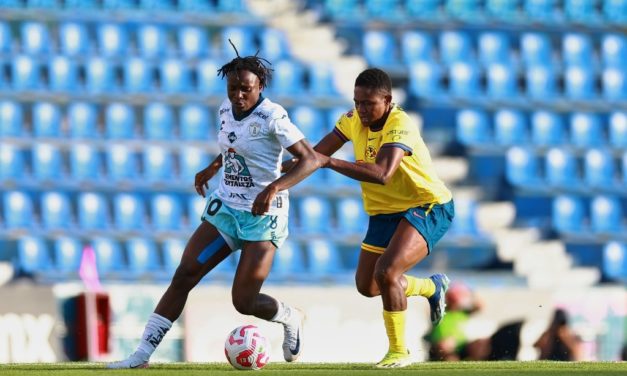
(293, 336)
(437, 301)
(395, 360)
(138, 359)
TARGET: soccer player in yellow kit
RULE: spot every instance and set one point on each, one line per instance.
(410, 208)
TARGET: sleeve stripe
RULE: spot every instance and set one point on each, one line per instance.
(398, 145)
(340, 134)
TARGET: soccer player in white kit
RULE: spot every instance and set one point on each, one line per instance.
(248, 211)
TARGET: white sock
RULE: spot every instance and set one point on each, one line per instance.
(156, 328)
(283, 313)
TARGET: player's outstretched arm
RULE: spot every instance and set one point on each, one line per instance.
(202, 177)
(307, 163)
(388, 160)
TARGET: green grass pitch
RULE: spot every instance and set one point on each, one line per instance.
(283, 369)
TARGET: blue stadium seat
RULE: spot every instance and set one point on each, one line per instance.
(615, 11)
(119, 121)
(473, 127)
(112, 40)
(535, 48)
(454, 46)
(43, 4)
(614, 83)
(615, 261)
(33, 255)
(338, 9)
(287, 78)
(416, 46)
(74, 39)
(494, 47)
(11, 162)
(465, 223)
(467, 10)
(547, 128)
(510, 127)
(166, 212)
(129, 212)
(289, 261)
(93, 211)
(599, 169)
(195, 123)
(138, 75)
(502, 81)
(541, 82)
(379, 48)
(568, 214)
(463, 79)
(521, 167)
(274, 44)
(540, 10)
(191, 160)
(109, 257)
(25, 73)
(581, 11)
(310, 121)
(425, 78)
(11, 119)
(6, 38)
(47, 162)
(158, 5)
(579, 82)
(606, 215)
(195, 207)
(82, 120)
(12, 4)
(613, 49)
(143, 257)
(618, 129)
(172, 252)
(243, 39)
(577, 49)
(387, 10)
(56, 210)
(35, 39)
(506, 10)
(193, 41)
(314, 214)
(18, 209)
(231, 6)
(158, 121)
(323, 258)
(175, 77)
(67, 254)
(85, 162)
(158, 164)
(81, 4)
(333, 115)
(99, 76)
(586, 129)
(151, 41)
(321, 79)
(208, 82)
(63, 74)
(121, 163)
(46, 120)
(624, 168)
(351, 216)
(119, 4)
(561, 168)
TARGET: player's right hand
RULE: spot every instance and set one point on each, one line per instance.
(201, 181)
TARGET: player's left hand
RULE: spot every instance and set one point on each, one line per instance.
(263, 200)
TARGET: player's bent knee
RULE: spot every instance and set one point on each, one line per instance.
(386, 276)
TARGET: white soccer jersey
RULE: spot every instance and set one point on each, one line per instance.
(252, 152)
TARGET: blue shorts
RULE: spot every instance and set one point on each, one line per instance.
(431, 221)
(237, 226)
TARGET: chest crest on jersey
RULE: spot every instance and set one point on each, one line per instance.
(371, 153)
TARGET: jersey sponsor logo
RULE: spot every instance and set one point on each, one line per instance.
(223, 110)
(260, 114)
(396, 138)
(232, 137)
(236, 173)
(400, 132)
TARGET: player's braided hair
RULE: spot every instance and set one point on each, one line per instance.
(374, 78)
(255, 64)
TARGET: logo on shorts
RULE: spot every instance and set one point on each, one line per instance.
(415, 214)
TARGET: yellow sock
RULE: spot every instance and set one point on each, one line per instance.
(419, 287)
(395, 329)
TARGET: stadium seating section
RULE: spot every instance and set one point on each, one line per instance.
(108, 110)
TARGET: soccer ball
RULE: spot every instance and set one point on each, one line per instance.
(246, 348)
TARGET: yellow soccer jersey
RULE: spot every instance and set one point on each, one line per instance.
(414, 183)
